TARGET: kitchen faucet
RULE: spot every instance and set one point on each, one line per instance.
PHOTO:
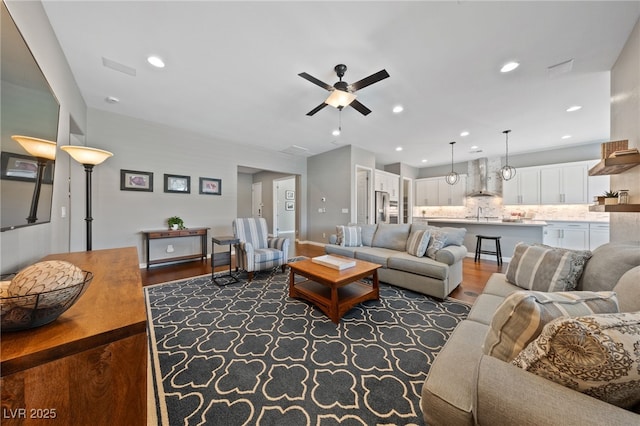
(478, 213)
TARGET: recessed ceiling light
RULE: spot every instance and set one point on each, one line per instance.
(474, 147)
(336, 132)
(509, 66)
(399, 148)
(398, 108)
(111, 100)
(566, 136)
(424, 160)
(156, 61)
(465, 133)
(574, 108)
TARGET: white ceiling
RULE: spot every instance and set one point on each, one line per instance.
(231, 70)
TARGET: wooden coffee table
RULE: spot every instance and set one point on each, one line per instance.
(333, 291)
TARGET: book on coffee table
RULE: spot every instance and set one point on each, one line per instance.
(334, 262)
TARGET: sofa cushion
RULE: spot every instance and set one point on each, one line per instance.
(349, 236)
(418, 265)
(484, 308)
(628, 290)
(595, 354)
(454, 236)
(608, 263)
(543, 268)
(391, 236)
(342, 251)
(436, 242)
(522, 316)
(368, 231)
(374, 255)
(451, 254)
(417, 242)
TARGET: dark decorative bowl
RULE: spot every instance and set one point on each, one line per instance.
(34, 310)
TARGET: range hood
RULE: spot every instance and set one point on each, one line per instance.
(483, 183)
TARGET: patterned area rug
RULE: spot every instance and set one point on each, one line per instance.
(247, 354)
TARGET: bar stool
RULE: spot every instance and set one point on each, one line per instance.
(497, 252)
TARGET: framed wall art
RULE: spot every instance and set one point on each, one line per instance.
(133, 180)
(289, 195)
(177, 184)
(210, 186)
(24, 168)
(289, 205)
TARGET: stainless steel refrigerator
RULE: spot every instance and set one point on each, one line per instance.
(382, 207)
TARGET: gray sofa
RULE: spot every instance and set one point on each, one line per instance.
(466, 387)
(385, 244)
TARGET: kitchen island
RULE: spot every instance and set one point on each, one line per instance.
(528, 231)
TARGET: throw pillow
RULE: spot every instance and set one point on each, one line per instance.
(350, 236)
(523, 314)
(418, 242)
(455, 236)
(437, 242)
(543, 268)
(598, 355)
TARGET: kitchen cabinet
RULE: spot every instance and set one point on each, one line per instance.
(437, 192)
(564, 184)
(388, 182)
(524, 188)
(598, 234)
(569, 235)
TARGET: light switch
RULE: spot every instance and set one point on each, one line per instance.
(345, 210)
(63, 211)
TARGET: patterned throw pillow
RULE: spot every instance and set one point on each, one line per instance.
(523, 315)
(598, 355)
(543, 268)
(349, 236)
(418, 242)
(437, 242)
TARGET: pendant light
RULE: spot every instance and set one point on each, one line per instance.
(452, 178)
(507, 172)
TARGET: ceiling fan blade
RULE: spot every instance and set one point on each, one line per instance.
(367, 81)
(359, 107)
(315, 81)
(316, 109)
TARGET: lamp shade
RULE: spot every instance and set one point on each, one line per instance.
(340, 98)
(86, 155)
(39, 148)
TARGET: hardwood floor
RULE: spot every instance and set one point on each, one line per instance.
(475, 274)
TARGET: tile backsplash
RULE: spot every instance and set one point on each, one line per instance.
(493, 207)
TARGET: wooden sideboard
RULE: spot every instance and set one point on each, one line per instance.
(90, 365)
(178, 233)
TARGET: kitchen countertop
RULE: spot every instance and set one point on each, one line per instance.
(484, 221)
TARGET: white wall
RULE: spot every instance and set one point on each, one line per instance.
(625, 124)
(120, 216)
(23, 246)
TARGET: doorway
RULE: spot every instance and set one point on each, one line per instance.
(284, 208)
(363, 195)
(256, 199)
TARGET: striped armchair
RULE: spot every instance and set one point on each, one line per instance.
(256, 251)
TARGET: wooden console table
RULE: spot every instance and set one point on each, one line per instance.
(168, 233)
(89, 366)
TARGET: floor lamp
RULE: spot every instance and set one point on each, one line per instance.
(88, 157)
(44, 151)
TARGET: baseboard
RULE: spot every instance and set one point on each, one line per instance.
(313, 243)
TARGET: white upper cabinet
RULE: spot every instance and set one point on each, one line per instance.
(564, 184)
(524, 188)
(388, 182)
(437, 192)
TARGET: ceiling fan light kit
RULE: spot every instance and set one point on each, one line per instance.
(343, 94)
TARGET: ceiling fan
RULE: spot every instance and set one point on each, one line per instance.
(342, 93)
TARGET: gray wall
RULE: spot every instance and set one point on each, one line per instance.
(329, 176)
(21, 247)
(625, 124)
(119, 216)
(245, 181)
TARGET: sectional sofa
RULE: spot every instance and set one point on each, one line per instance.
(471, 383)
(437, 273)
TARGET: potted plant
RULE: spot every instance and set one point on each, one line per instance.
(611, 197)
(175, 222)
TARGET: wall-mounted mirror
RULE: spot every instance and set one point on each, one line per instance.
(29, 108)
